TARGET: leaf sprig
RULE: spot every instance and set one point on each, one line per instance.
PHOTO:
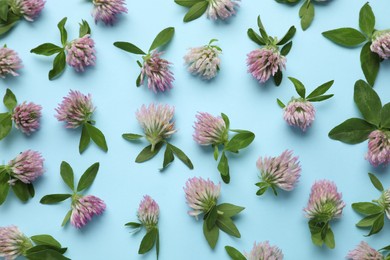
(10, 103)
(67, 176)
(90, 132)
(49, 49)
(150, 239)
(220, 217)
(149, 152)
(46, 247)
(376, 116)
(350, 37)
(162, 38)
(317, 95)
(374, 211)
(239, 141)
(234, 253)
(196, 8)
(9, 17)
(263, 39)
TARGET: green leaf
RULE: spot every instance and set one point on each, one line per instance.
(368, 102)
(67, 174)
(66, 218)
(262, 189)
(352, 131)
(240, 141)
(84, 29)
(4, 7)
(88, 177)
(229, 210)
(85, 139)
(385, 116)
(45, 240)
(58, 65)
(256, 38)
(329, 239)
(299, 87)
(348, 37)
(211, 235)
(234, 253)
(286, 49)
(12, 20)
(132, 137)
(374, 180)
(211, 217)
(63, 32)
(377, 225)
(47, 254)
(196, 11)
(278, 77)
(261, 26)
(168, 157)
(97, 136)
(226, 120)
(39, 248)
(367, 208)
(4, 186)
(181, 155)
(289, 35)
(9, 100)
(138, 81)
(157, 243)
(367, 221)
(133, 225)
(5, 124)
(21, 190)
(226, 225)
(54, 198)
(148, 241)
(306, 13)
(223, 168)
(216, 152)
(129, 47)
(366, 20)
(164, 37)
(47, 49)
(280, 103)
(319, 98)
(31, 190)
(187, 3)
(321, 89)
(147, 153)
(370, 62)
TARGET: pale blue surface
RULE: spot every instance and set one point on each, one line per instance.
(122, 183)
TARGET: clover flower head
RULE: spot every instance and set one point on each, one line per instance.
(203, 61)
(209, 129)
(84, 208)
(107, 10)
(264, 251)
(75, 109)
(364, 252)
(30, 9)
(13, 243)
(148, 212)
(80, 53)
(378, 148)
(201, 195)
(221, 9)
(157, 70)
(299, 113)
(27, 166)
(10, 62)
(26, 117)
(265, 62)
(381, 44)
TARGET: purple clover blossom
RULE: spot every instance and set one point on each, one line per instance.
(148, 212)
(30, 9)
(26, 167)
(84, 208)
(381, 44)
(299, 113)
(81, 53)
(107, 10)
(201, 195)
(209, 129)
(203, 61)
(265, 62)
(75, 109)
(378, 148)
(221, 9)
(282, 171)
(264, 251)
(156, 121)
(13, 243)
(10, 62)
(364, 252)
(26, 117)
(325, 203)
(156, 69)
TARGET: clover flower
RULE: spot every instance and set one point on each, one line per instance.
(10, 62)
(364, 252)
(84, 208)
(81, 53)
(378, 148)
(27, 166)
(299, 113)
(221, 9)
(381, 44)
(107, 10)
(148, 212)
(30, 9)
(26, 117)
(209, 129)
(13, 243)
(264, 251)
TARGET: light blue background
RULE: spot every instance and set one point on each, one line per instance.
(122, 183)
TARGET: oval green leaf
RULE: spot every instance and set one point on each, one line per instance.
(196, 11)
(352, 131)
(348, 37)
